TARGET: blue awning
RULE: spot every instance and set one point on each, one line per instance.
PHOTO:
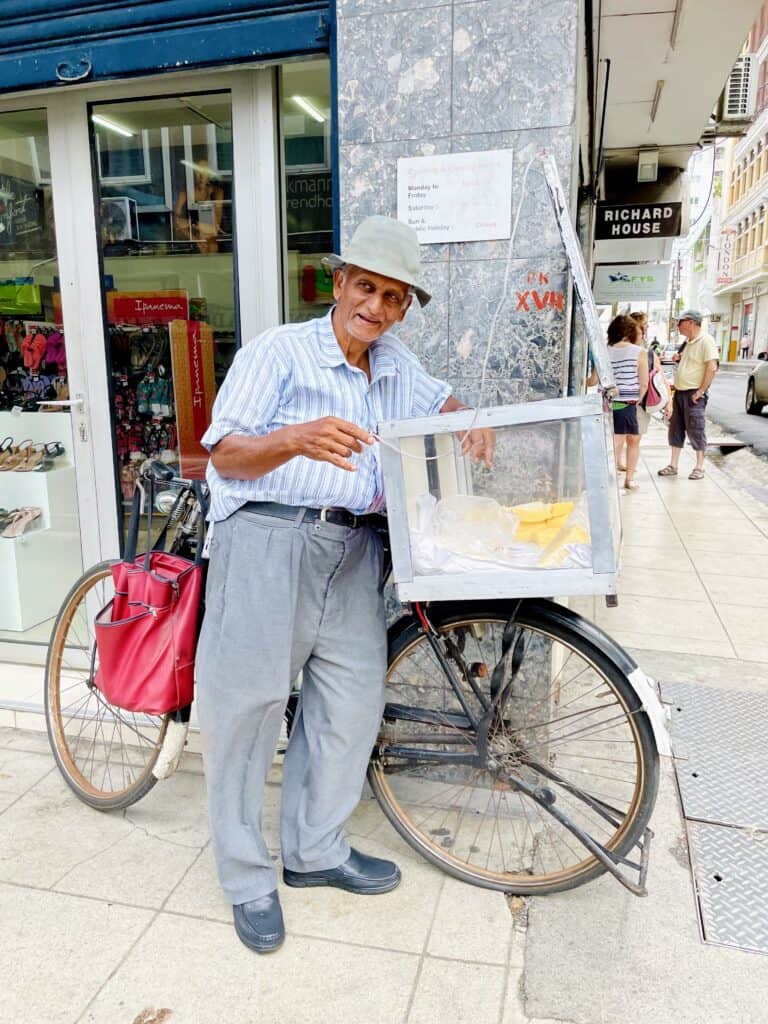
(52, 42)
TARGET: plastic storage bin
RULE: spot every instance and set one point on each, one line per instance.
(543, 521)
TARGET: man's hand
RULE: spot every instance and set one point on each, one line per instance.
(697, 394)
(330, 440)
(480, 445)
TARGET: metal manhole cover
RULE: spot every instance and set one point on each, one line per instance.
(730, 870)
(713, 717)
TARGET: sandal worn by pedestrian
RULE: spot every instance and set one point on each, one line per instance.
(632, 485)
(20, 519)
(668, 471)
(621, 468)
(696, 474)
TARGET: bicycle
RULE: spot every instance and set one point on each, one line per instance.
(514, 752)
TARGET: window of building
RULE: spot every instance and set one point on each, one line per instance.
(305, 125)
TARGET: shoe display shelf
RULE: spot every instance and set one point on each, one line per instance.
(38, 568)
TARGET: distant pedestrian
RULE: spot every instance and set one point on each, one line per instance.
(746, 342)
(643, 418)
(629, 362)
(695, 370)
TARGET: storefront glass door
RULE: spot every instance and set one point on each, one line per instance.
(191, 213)
(40, 552)
(165, 214)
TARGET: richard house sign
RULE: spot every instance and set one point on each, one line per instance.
(638, 220)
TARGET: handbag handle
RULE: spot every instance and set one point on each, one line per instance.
(159, 544)
(132, 534)
(197, 487)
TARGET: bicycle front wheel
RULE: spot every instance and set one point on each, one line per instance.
(105, 754)
(567, 723)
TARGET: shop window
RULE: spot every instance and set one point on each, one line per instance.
(40, 552)
(305, 127)
(165, 228)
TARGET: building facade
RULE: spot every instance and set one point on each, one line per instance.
(741, 284)
(172, 173)
(171, 176)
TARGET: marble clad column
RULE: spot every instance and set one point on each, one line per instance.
(416, 80)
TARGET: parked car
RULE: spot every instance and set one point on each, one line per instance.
(757, 388)
(668, 353)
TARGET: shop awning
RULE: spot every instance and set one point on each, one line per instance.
(54, 42)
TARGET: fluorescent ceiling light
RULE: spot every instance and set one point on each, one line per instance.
(648, 165)
(105, 123)
(308, 108)
(200, 168)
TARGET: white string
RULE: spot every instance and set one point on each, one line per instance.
(491, 332)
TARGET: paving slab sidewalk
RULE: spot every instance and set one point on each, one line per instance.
(118, 918)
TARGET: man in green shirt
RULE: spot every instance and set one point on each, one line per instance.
(696, 368)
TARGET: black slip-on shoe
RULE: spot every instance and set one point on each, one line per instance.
(259, 923)
(359, 873)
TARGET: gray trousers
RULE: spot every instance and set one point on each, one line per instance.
(282, 597)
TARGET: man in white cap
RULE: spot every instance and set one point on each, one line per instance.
(696, 368)
(294, 582)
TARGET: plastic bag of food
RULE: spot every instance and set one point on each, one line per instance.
(475, 526)
(570, 547)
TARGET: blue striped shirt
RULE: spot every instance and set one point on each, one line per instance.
(624, 360)
(295, 373)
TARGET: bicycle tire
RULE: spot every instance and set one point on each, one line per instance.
(105, 754)
(410, 809)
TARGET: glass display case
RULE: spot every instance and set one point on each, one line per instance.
(542, 521)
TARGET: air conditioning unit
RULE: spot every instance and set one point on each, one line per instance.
(119, 220)
(741, 89)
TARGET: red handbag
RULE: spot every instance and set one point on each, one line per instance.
(146, 636)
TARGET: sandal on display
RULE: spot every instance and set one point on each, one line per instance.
(40, 457)
(668, 471)
(6, 449)
(696, 474)
(17, 457)
(33, 459)
(20, 519)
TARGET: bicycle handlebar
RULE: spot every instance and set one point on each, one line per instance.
(157, 472)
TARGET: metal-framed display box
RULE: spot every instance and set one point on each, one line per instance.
(552, 451)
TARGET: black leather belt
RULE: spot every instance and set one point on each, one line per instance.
(299, 514)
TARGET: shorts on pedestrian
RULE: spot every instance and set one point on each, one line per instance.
(688, 419)
(625, 419)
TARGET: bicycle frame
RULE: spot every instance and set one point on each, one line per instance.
(471, 730)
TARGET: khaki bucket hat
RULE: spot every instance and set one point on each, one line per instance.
(388, 247)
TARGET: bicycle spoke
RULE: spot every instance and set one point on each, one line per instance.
(561, 726)
(104, 752)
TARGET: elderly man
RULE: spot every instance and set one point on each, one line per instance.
(696, 368)
(295, 577)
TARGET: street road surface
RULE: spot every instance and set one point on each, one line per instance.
(726, 408)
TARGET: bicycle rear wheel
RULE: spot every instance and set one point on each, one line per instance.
(568, 724)
(105, 754)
